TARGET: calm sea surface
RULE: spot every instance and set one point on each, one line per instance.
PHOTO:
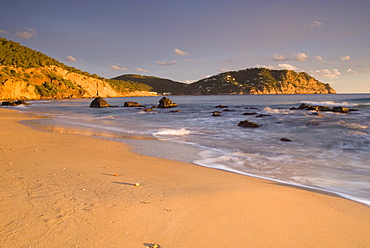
(330, 153)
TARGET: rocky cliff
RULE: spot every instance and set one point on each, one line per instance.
(28, 74)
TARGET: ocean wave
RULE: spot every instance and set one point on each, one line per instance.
(176, 132)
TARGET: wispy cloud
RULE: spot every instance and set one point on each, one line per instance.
(279, 57)
(279, 67)
(189, 60)
(350, 71)
(3, 31)
(300, 57)
(117, 68)
(334, 73)
(319, 58)
(173, 62)
(181, 53)
(223, 70)
(26, 34)
(71, 59)
(347, 57)
(296, 57)
(141, 70)
(316, 24)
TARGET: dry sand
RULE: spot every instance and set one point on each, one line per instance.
(62, 190)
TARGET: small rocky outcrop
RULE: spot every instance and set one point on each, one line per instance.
(99, 103)
(132, 104)
(250, 113)
(165, 102)
(285, 140)
(338, 109)
(14, 103)
(221, 106)
(216, 114)
(262, 115)
(247, 123)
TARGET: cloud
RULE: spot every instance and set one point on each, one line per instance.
(181, 53)
(27, 34)
(223, 70)
(117, 68)
(296, 57)
(326, 73)
(141, 70)
(279, 67)
(347, 57)
(173, 62)
(3, 31)
(279, 57)
(319, 58)
(300, 57)
(189, 60)
(71, 59)
(316, 24)
(350, 71)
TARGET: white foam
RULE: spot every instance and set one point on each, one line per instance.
(176, 132)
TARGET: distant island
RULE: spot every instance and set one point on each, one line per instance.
(26, 74)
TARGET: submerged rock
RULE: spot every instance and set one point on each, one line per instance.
(132, 104)
(166, 103)
(247, 123)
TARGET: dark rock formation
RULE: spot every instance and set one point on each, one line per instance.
(247, 123)
(99, 103)
(250, 113)
(132, 104)
(221, 106)
(216, 113)
(15, 103)
(338, 109)
(285, 140)
(228, 110)
(166, 103)
(262, 115)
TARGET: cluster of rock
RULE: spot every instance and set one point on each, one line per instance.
(338, 109)
(14, 103)
(163, 103)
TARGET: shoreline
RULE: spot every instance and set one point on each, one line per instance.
(72, 190)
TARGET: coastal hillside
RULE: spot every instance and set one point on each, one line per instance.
(161, 85)
(29, 74)
(249, 82)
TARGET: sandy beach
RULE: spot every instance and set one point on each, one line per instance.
(64, 190)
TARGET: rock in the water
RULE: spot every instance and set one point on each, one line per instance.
(132, 104)
(250, 113)
(216, 113)
(166, 103)
(221, 106)
(285, 140)
(340, 110)
(247, 123)
(262, 115)
(99, 103)
(15, 103)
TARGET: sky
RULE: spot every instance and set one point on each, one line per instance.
(188, 40)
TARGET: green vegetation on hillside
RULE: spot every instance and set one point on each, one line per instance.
(248, 81)
(16, 61)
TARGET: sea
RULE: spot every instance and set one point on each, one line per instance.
(329, 153)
